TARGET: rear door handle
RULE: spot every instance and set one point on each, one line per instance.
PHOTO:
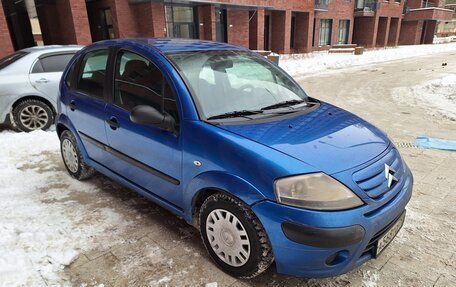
(113, 123)
(42, 80)
(72, 105)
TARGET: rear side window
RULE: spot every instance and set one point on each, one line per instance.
(92, 75)
(139, 82)
(51, 64)
(8, 60)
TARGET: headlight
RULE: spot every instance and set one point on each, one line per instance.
(315, 191)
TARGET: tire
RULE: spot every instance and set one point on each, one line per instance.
(31, 114)
(72, 157)
(220, 216)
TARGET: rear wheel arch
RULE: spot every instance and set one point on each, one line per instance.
(34, 97)
(60, 128)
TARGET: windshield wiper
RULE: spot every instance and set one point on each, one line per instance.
(235, 114)
(283, 104)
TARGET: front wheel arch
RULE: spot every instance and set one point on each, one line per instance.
(208, 183)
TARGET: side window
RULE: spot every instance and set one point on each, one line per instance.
(139, 82)
(50, 64)
(91, 79)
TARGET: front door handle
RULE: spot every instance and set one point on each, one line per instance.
(113, 123)
(42, 80)
(72, 105)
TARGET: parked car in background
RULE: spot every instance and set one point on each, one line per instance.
(227, 140)
(29, 84)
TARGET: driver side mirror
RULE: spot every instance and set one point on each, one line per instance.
(147, 115)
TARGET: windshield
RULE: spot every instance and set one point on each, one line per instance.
(225, 82)
(8, 60)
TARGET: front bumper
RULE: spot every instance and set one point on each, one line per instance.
(324, 254)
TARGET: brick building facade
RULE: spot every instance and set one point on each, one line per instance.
(296, 26)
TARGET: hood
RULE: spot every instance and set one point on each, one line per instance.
(328, 138)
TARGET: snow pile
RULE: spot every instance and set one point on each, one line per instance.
(436, 96)
(42, 231)
(302, 64)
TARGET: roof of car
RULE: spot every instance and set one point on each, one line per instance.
(169, 45)
(52, 48)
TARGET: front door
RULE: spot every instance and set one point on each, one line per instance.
(147, 155)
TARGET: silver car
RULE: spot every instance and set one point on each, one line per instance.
(29, 85)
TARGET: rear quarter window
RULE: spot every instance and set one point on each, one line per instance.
(8, 60)
(52, 64)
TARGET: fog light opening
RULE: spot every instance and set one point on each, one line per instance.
(337, 258)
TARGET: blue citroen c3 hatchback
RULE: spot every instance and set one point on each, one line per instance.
(227, 140)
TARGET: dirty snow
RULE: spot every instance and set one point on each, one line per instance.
(437, 96)
(39, 239)
(305, 64)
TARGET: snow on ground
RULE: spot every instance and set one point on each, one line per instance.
(41, 232)
(436, 96)
(304, 64)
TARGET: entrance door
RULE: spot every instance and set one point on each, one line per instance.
(106, 24)
(266, 31)
(221, 25)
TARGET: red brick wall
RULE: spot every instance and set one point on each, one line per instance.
(206, 16)
(280, 31)
(337, 10)
(238, 27)
(382, 31)
(66, 22)
(394, 30)
(256, 30)
(73, 17)
(391, 9)
(429, 32)
(303, 33)
(410, 32)
(365, 31)
(6, 46)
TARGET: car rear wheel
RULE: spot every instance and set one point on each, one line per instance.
(234, 237)
(31, 114)
(72, 158)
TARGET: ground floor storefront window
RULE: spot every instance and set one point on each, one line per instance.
(325, 32)
(344, 28)
(181, 21)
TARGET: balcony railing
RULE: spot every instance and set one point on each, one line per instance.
(366, 5)
(428, 4)
(321, 4)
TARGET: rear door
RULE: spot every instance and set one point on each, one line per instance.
(46, 73)
(148, 155)
(85, 100)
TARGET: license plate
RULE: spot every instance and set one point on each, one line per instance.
(389, 235)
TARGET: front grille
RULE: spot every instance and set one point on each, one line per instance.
(372, 178)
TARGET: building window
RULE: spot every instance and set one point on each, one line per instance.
(344, 28)
(181, 21)
(107, 24)
(221, 27)
(325, 32)
(292, 32)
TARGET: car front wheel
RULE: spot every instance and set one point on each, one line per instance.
(234, 237)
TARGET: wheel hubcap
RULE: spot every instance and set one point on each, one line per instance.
(34, 117)
(228, 237)
(70, 156)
